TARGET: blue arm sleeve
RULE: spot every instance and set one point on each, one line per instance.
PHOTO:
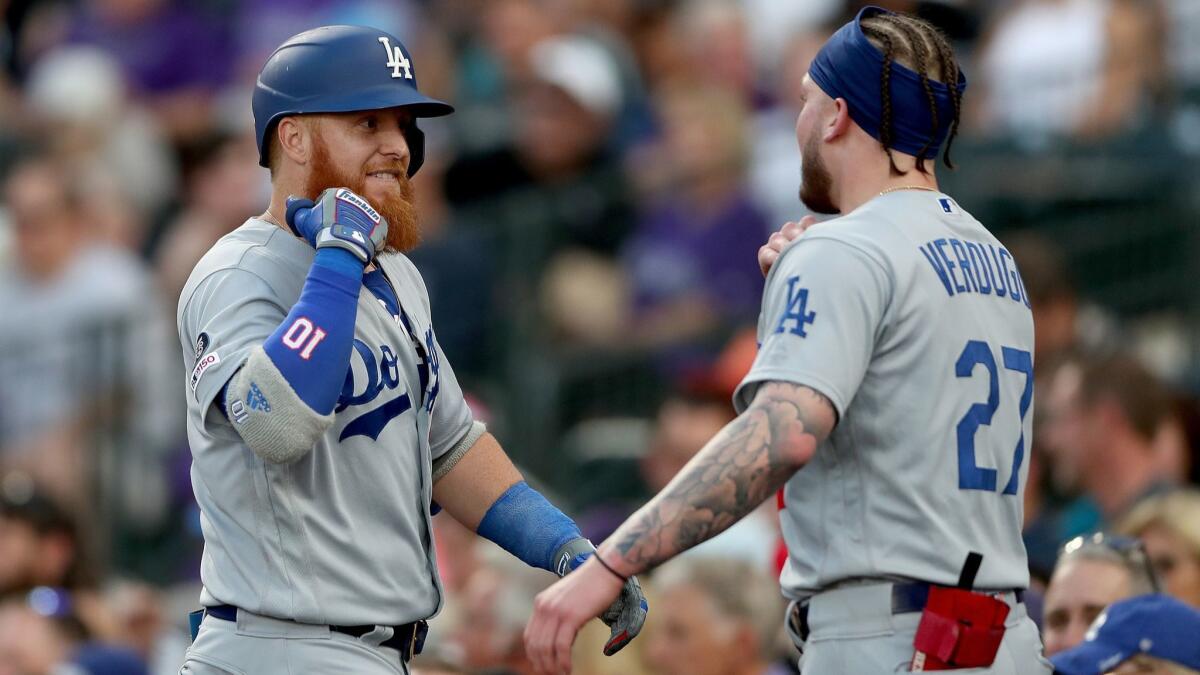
(523, 523)
(311, 348)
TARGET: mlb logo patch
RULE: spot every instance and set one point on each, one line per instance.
(947, 205)
(202, 343)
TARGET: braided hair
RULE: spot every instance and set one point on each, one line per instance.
(921, 47)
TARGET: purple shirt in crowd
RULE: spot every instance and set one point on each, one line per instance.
(676, 251)
(170, 48)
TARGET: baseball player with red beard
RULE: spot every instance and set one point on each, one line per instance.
(325, 423)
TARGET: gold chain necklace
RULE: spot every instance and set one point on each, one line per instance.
(267, 216)
(907, 187)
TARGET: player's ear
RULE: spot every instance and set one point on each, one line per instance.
(837, 120)
(295, 139)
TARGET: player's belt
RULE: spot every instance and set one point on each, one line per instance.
(907, 597)
(408, 639)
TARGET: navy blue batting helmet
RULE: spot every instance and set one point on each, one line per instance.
(341, 69)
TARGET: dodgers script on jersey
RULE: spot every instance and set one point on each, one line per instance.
(911, 318)
(343, 535)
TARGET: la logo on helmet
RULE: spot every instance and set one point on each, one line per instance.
(396, 59)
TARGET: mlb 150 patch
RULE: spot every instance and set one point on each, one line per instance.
(202, 366)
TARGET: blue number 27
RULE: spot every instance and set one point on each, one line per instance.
(970, 475)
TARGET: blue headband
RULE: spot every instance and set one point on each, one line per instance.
(850, 67)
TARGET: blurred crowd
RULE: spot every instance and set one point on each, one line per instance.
(590, 218)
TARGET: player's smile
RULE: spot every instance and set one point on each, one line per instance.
(382, 181)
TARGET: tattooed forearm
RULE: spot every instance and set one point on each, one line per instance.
(737, 470)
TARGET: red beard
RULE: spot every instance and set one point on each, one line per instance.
(404, 232)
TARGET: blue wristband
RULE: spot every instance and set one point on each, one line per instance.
(528, 526)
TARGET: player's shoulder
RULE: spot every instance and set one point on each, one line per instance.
(840, 244)
(889, 229)
(256, 249)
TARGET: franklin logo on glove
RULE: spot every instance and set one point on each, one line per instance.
(351, 198)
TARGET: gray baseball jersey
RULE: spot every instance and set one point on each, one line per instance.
(913, 320)
(341, 536)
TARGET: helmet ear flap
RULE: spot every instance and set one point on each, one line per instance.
(416, 148)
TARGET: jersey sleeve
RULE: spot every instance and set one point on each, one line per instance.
(231, 312)
(822, 310)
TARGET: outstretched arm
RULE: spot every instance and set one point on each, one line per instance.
(751, 458)
(485, 492)
(743, 465)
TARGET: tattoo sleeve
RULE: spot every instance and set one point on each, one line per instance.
(743, 465)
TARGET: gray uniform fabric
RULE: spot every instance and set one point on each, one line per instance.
(342, 536)
(257, 644)
(912, 319)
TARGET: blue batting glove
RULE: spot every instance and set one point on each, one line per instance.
(338, 218)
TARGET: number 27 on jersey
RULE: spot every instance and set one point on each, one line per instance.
(971, 476)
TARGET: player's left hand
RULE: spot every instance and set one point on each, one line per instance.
(769, 252)
(561, 610)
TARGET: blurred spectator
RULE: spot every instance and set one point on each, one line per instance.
(174, 55)
(85, 347)
(1153, 635)
(114, 148)
(685, 423)
(497, 602)
(774, 171)
(1104, 417)
(1169, 526)
(39, 542)
(687, 272)
(41, 635)
(1063, 322)
(42, 545)
(140, 624)
(773, 27)
(1188, 410)
(657, 44)
(715, 37)
(587, 656)
(714, 617)
(557, 185)
(1069, 68)
(492, 64)
(457, 261)
(223, 187)
(691, 258)
(1092, 573)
